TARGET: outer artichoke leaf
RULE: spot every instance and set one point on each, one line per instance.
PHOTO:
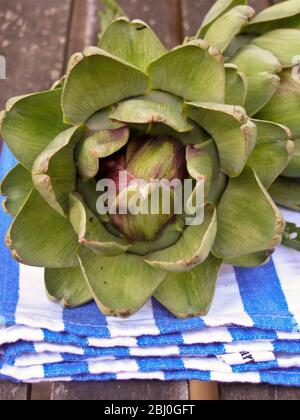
(293, 168)
(273, 151)
(91, 232)
(283, 43)
(261, 69)
(134, 42)
(248, 220)
(97, 81)
(168, 237)
(250, 261)
(120, 285)
(54, 171)
(68, 286)
(155, 107)
(100, 145)
(191, 249)
(193, 71)
(41, 237)
(16, 187)
(31, 123)
(101, 121)
(231, 129)
(222, 31)
(283, 15)
(286, 192)
(190, 294)
(284, 107)
(219, 8)
(236, 86)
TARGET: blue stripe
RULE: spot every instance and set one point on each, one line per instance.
(251, 334)
(287, 377)
(188, 375)
(168, 323)
(56, 370)
(160, 363)
(86, 321)
(9, 289)
(263, 298)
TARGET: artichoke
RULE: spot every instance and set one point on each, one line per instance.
(212, 111)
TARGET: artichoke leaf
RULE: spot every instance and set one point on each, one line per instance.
(112, 282)
(190, 294)
(193, 71)
(248, 219)
(237, 44)
(134, 42)
(153, 108)
(284, 106)
(219, 8)
(100, 145)
(272, 152)
(261, 69)
(231, 129)
(283, 15)
(222, 31)
(101, 121)
(283, 43)
(203, 163)
(54, 171)
(286, 192)
(16, 187)
(293, 168)
(39, 236)
(236, 86)
(97, 81)
(170, 235)
(30, 123)
(191, 249)
(195, 136)
(68, 286)
(91, 232)
(249, 261)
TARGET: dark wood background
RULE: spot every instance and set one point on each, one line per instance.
(37, 37)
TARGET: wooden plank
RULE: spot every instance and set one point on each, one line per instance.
(129, 390)
(33, 41)
(84, 26)
(33, 37)
(14, 392)
(164, 16)
(245, 392)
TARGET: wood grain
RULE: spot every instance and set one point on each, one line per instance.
(33, 36)
(129, 390)
(12, 392)
(247, 392)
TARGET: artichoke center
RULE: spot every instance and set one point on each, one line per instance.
(147, 159)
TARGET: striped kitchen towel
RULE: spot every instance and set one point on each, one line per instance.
(251, 334)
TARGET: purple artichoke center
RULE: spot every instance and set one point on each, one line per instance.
(145, 160)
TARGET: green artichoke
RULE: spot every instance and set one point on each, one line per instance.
(211, 110)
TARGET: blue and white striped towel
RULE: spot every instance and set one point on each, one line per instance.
(251, 334)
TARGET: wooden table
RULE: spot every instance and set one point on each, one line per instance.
(37, 37)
